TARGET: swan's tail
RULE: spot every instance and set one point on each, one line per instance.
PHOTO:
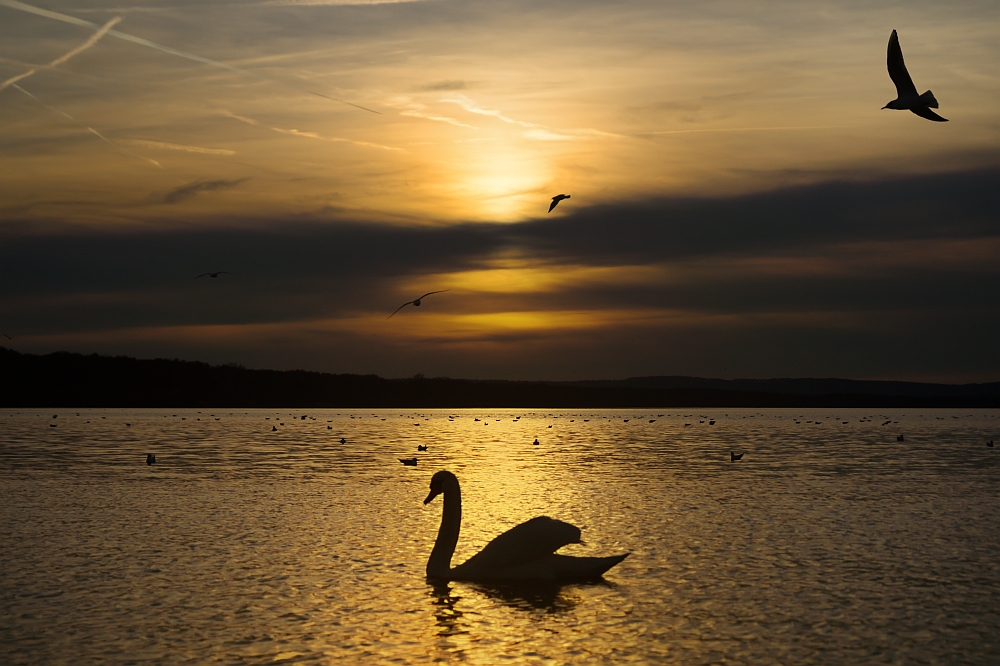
(584, 568)
(929, 99)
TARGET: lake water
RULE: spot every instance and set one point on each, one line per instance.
(829, 542)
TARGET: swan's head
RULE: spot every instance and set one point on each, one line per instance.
(440, 482)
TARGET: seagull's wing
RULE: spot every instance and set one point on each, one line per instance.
(924, 112)
(202, 275)
(897, 69)
(400, 308)
(555, 202)
(432, 292)
(225, 272)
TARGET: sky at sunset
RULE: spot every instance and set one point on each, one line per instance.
(741, 204)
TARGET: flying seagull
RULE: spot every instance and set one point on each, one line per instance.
(906, 92)
(215, 274)
(7, 336)
(556, 199)
(416, 303)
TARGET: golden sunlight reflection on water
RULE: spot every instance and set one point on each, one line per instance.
(829, 542)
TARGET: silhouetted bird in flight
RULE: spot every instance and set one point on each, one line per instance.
(416, 302)
(409, 462)
(6, 336)
(215, 274)
(733, 456)
(906, 92)
(150, 459)
(556, 199)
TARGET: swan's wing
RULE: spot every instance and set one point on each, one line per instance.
(530, 541)
(924, 112)
(897, 69)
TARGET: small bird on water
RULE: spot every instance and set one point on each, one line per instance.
(421, 447)
(900, 438)
(733, 456)
(990, 443)
(409, 462)
(214, 275)
(416, 302)
(556, 199)
(150, 459)
(906, 93)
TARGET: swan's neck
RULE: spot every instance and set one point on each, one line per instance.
(439, 564)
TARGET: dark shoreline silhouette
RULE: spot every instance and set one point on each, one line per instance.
(63, 379)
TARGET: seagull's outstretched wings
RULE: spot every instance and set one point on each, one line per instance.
(556, 199)
(415, 301)
(215, 274)
(897, 69)
(925, 112)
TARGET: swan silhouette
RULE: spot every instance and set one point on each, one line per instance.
(525, 552)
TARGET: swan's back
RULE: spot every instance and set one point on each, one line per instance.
(519, 546)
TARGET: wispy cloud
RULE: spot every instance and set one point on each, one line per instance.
(191, 189)
(242, 119)
(89, 129)
(746, 129)
(188, 149)
(413, 109)
(14, 4)
(472, 107)
(535, 131)
(335, 139)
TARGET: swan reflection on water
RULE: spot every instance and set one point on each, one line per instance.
(536, 595)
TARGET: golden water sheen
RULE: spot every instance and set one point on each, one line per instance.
(830, 542)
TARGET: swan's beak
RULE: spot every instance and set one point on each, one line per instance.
(432, 495)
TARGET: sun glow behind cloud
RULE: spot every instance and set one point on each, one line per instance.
(485, 111)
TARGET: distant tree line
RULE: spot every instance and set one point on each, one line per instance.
(64, 379)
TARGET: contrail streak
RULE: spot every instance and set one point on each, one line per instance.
(747, 129)
(14, 4)
(89, 129)
(103, 30)
(14, 79)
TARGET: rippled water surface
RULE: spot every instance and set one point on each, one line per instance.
(829, 542)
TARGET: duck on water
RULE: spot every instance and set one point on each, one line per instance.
(525, 552)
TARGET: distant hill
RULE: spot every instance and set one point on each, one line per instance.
(805, 386)
(63, 379)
